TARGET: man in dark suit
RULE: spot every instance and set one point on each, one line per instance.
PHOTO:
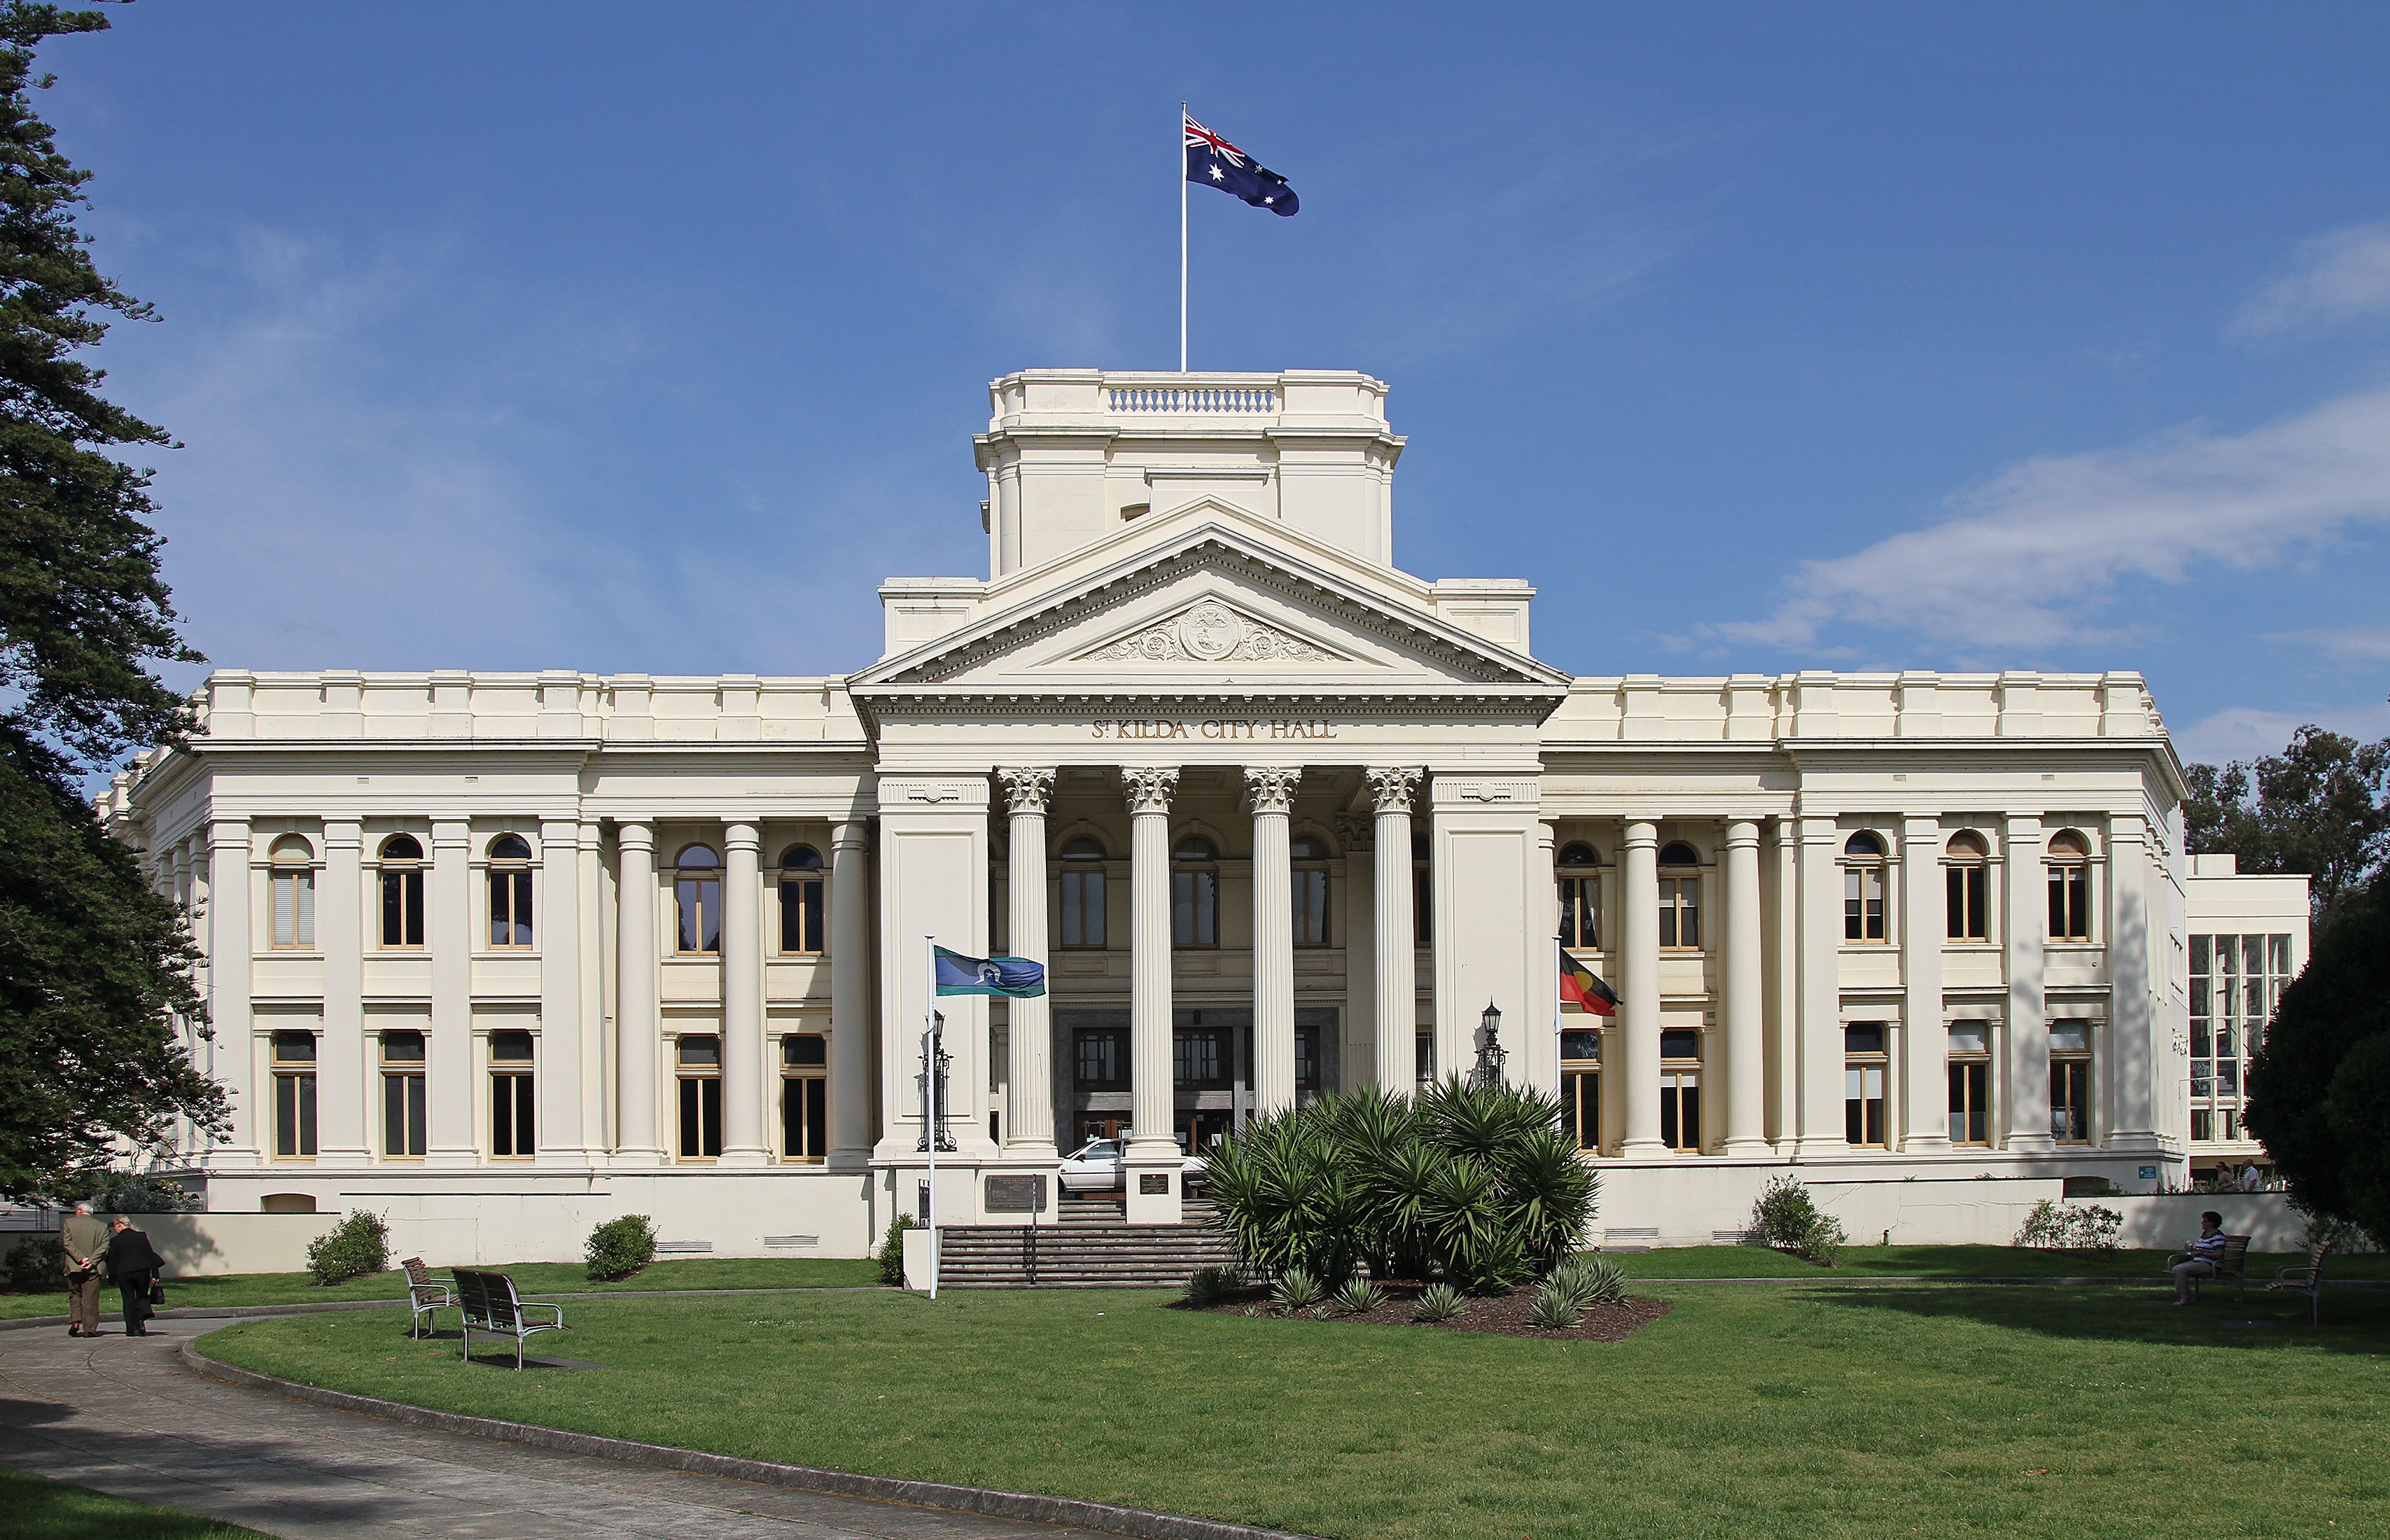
(133, 1264)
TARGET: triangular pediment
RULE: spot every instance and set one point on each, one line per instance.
(1213, 630)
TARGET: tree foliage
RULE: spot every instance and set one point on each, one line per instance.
(92, 962)
(2319, 1084)
(2321, 806)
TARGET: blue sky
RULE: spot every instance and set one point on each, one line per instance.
(650, 338)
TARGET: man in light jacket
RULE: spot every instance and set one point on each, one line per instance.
(85, 1239)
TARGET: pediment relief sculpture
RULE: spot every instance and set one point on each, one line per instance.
(1211, 631)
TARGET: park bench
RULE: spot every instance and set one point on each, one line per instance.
(2231, 1267)
(489, 1301)
(424, 1295)
(2305, 1280)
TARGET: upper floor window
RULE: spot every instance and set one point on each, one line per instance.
(1967, 881)
(293, 881)
(1680, 896)
(1082, 894)
(697, 895)
(509, 890)
(402, 891)
(2070, 887)
(801, 901)
(1863, 888)
(1580, 880)
(1310, 878)
(1195, 892)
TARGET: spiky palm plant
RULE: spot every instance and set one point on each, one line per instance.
(1439, 1302)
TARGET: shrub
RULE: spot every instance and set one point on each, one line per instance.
(1788, 1218)
(1296, 1289)
(621, 1247)
(1595, 1282)
(1439, 1302)
(891, 1252)
(1211, 1285)
(1557, 1306)
(2088, 1228)
(1359, 1296)
(37, 1265)
(355, 1247)
(1474, 1184)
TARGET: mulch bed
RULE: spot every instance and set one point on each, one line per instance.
(1500, 1314)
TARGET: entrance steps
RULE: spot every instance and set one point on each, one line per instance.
(1083, 1251)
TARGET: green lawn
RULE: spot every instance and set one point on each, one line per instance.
(38, 1509)
(531, 1278)
(1943, 1262)
(1845, 1409)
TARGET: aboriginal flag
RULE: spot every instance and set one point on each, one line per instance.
(1583, 988)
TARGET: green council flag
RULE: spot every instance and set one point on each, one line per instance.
(1012, 977)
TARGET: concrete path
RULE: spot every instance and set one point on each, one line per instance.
(122, 1416)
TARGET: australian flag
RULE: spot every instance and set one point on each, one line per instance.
(1215, 163)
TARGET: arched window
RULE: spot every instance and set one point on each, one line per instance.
(1309, 855)
(401, 892)
(1680, 896)
(2070, 887)
(1968, 880)
(1580, 880)
(509, 892)
(1082, 894)
(1863, 888)
(697, 892)
(1194, 893)
(801, 928)
(292, 880)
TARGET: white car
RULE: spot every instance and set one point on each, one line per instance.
(1098, 1166)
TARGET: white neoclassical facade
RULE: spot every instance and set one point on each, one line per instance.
(505, 954)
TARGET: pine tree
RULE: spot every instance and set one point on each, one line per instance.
(93, 962)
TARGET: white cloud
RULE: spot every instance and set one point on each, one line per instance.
(2245, 731)
(2030, 557)
(2350, 644)
(2341, 275)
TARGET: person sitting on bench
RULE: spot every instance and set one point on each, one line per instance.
(2203, 1254)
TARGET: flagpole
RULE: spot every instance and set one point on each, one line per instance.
(1182, 238)
(929, 1103)
(1560, 959)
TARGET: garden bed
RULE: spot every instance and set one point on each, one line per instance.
(1496, 1314)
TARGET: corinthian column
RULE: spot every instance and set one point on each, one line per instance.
(634, 999)
(1398, 943)
(1151, 1101)
(1271, 792)
(1029, 1128)
(1641, 952)
(849, 995)
(1746, 1068)
(743, 997)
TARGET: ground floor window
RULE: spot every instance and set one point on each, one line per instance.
(402, 1096)
(513, 1124)
(1100, 1059)
(700, 1063)
(294, 1095)
(1581, 1088)
(1865, 1065)
(1423, 1058)
(804, 1097)
(1308, 1069)
(2070, 1082)
(1970, 1083)
(1680, 1091)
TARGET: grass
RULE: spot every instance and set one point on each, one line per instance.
(1945, 1262)
(39, 1509)
(1843, 1410)
(531, 1278)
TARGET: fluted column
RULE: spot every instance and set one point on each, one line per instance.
(230, 965)
(1740, 1002)
(453, 1130)
(1819, 1050)
(562, 1138)
(635, 1044)
(340, 1055)
(1152, 1101)
(1640, 951)
(1029, 1128)
(850, 960)
(1271, 794)
(743, 997)
(2123, 1071)
(2025, 929)
(1925, 1036)
(1396, 948)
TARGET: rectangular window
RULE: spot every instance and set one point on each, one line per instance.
(804, 1098)
(402, 1096)
(1422, 904)
(1581, 912)
(698, 900)
(401, 907)
(1680, 912)
(1968, 902)
(294, 1095)
(802, 932)
(1307, 1066)
(1581, 1088)
(294, 909)
(1863, 903)
(2070, 901)
(1423, 1058)
(1865, 1064)
(699, 1058)
(513, 1124)
(2070, 1082)
(1200, 1058)
(511, 906)
(1680, 1091)
(1970, 1083)
(1311, 906)
(1101, 1056)
(1083, 907)
(1195, 908)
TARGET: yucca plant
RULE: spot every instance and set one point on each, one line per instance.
(1359, 1296)
(1296, 1289)
(1439, 1302)
(1211, 1285)
(1557, 1306)
(1605, 1282)
(1572, 1281)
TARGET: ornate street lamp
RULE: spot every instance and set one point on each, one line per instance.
(933, 1117)
(1490, 1049)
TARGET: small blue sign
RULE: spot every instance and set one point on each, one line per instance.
(2149, 1174)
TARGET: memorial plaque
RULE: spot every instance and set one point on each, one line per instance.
(1016, 1195)
(1151, 1184)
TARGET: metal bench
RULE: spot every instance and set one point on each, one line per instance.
(2231, 1267)
(2308, 1280)
(489, 1301)
(424, 1295)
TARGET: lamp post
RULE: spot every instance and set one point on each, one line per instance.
(1490, 1056)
